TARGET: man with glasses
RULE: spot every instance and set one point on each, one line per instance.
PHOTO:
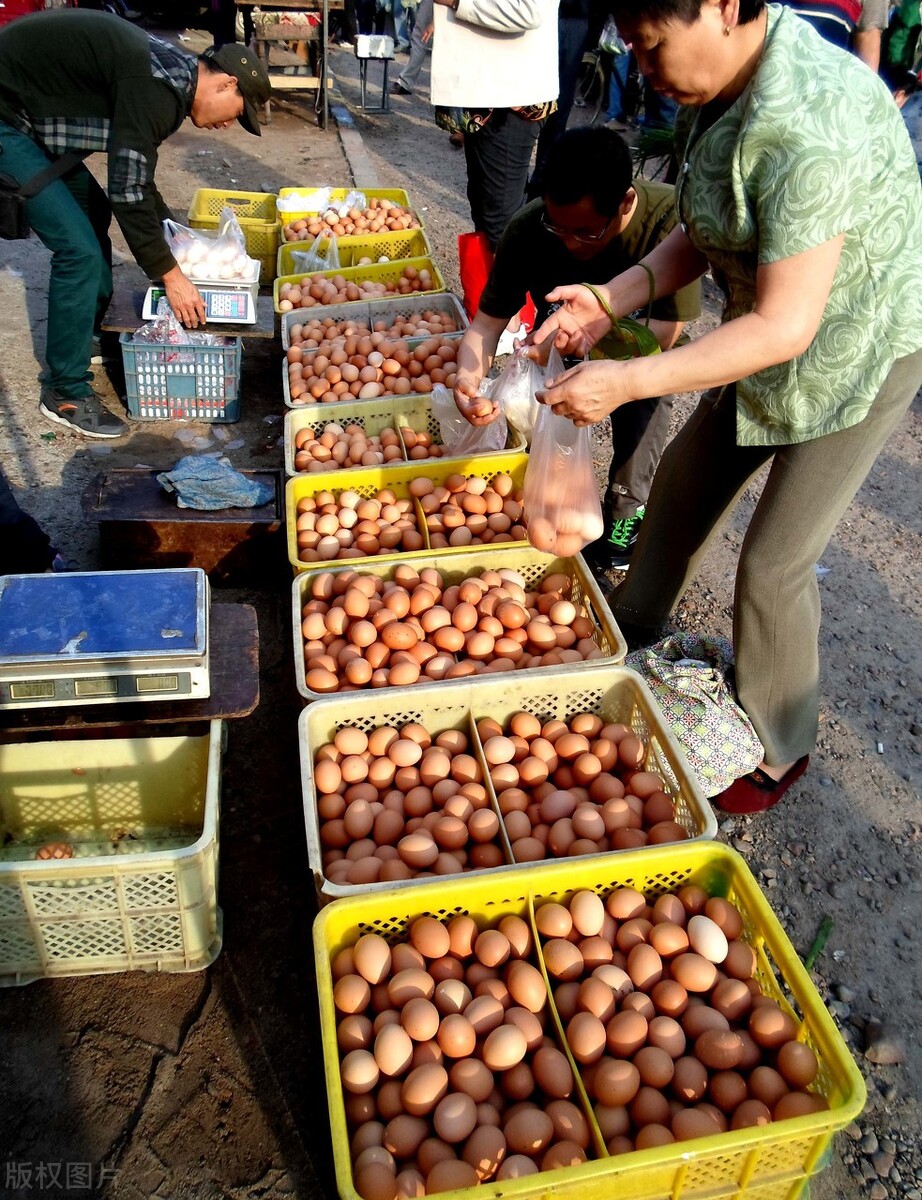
(593, 221)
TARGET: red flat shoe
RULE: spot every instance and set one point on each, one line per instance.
(757, 791)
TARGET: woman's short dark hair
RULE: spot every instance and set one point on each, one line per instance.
(685, 11)
(584, 162)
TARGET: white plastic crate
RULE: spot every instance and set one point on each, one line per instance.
(140, 817)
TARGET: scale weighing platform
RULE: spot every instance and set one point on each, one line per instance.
(103, 637)
(229, 306)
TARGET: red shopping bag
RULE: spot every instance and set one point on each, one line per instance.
(475, 258)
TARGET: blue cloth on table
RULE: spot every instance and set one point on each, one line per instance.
(203, 482)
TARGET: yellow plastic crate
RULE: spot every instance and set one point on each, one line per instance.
(257, 216)
(531, 564)
(140, 892)
(550, 693)
(390, 310)
(379, 273)
(773, 1162)
(415, 412)
(406, 243)
(369, 480)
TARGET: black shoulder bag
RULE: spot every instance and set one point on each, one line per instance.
(14, 223)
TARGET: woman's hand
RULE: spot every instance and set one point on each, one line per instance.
(184, 298)
(476, 410)
(577, 325)
(589, 391)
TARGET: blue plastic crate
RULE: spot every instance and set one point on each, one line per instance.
(171, 383)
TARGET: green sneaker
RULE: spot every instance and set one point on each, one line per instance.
(615, 550)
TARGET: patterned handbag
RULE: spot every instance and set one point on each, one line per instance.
(691, 677)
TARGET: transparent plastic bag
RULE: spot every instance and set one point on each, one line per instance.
(322, 256)
(457, 435)
(212, 256)
(610, 39)
(514, 389)
(561, 498)
(318, 200)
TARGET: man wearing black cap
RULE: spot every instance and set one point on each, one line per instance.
(78, 81)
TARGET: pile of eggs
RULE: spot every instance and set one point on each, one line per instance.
(336, 289)
(338, 447)
(398, 803)
(336, 525)
(470, 511)
(380, 216)
(326, 333)
(363, 631)
(662, 1012)
(361, 369)
(450, 1070)
(576, 787)
(213, 259)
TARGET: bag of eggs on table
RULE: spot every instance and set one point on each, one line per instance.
(212, 256)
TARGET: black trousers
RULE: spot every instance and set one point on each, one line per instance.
(24, 547)
(498, 159)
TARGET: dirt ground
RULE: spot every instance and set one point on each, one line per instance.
(211, 1084)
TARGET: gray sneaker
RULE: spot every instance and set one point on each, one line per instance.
(85, 414)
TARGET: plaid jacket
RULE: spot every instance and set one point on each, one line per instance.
(83, 80)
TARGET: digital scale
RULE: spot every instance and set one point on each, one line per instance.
(103, 637)
(227, 305)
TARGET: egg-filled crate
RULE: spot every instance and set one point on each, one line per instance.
(530, 564)
(389, 272)
(389, 309)
(459, 704)
(130, 830)
(338, 195)
(774, 1161)
(368, 481)
(256, 215)
(414, 412)
(198, 383)
(618, 696)
(394, 247)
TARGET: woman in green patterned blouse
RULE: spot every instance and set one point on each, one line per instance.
(799, 190)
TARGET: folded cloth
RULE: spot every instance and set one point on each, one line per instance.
(202, 481)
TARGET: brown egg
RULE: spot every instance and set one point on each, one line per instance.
(420, 1018)
(423, 1088)
(667, 1034)
(645, 967)
(449, 1175)
(485, 1150)
(485, 1013)
(649, 1107)
(528, 1131)
(771, 1026)
(586, 1037)
(723, 913)
(376, 1181)
(553, 1072)
(526, 986)
(430, 937)
(372, 957)
(393, 1050)
(656, 1067)
(562, 959)
(798, 1064)
(625, 1033)
(694, 973)
(796, 1104)
(689, 1079)
(471, 1076)
(690, 1123)
(504, 1047)
(718, 1049)
(359, 1071)
(751, 1114)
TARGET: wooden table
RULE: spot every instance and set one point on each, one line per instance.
(233, 654)
(294, 78)
(124, 316)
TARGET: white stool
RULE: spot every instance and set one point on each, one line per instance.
(380, 48)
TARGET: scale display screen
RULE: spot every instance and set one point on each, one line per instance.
(232, 307)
